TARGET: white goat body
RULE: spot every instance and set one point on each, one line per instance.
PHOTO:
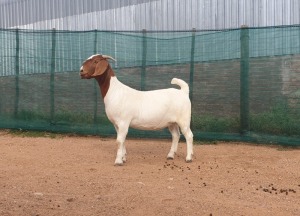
(146, 110)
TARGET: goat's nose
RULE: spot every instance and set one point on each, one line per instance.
(81, 72)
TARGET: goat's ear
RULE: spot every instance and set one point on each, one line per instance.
(100, 67)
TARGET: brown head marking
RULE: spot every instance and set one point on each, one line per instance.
(97, 67)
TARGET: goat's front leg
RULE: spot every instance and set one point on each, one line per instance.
(121, 136)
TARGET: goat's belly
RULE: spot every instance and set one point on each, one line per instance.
(153, 117)
(154, 125)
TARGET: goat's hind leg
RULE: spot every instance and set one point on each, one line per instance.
(188, 135)
(189, 143)
(174, 130)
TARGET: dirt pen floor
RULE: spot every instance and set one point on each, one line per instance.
(69, 175)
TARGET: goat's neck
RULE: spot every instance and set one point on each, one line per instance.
(104, 80)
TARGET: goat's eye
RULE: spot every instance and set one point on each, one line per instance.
(95, 62)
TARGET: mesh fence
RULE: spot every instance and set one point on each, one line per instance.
(245, 83)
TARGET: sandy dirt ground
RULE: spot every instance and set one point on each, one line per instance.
(69, 175)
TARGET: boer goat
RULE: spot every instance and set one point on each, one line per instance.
(146, 110)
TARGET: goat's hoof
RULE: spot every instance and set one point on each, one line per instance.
(170, 156)
(118, 162)
(188, 159)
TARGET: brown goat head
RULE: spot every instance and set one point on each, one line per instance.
(94, 66)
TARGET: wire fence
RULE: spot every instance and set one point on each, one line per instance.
(245, 83)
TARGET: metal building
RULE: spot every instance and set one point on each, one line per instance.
(155, 15)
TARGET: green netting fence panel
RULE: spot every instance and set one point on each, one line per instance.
(245, 83)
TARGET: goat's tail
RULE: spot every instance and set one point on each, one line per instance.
(183, 85)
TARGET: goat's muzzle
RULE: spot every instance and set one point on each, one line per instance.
(84, 75)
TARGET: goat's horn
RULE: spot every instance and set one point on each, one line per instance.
(108, 57)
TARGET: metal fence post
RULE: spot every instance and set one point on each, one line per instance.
(192, 69)
(95, 82)
(244, 80)
(52, 71)
(17, 73)
(144, 58)
(192, 65)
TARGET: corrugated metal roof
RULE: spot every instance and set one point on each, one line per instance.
(155, 15)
